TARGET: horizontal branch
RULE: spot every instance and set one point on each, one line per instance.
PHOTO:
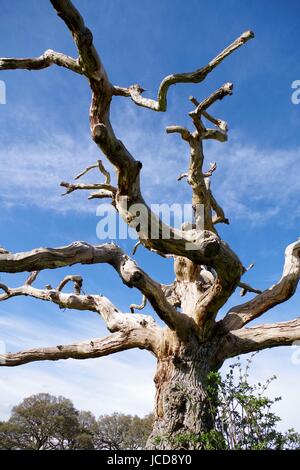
(260, 337)
(280, 292)
(135, 91)
(45, 60)
(136, 325)
(103, 190)
(84, 253)
(94, 303)
(84, 350)
(101, 194)
(215, 134)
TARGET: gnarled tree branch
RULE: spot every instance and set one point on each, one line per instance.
(84, 350)
(135, 91)
(115, 320)
(80, 252)
(240, 315)
(45, 60)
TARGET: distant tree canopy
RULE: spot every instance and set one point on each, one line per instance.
(46, 422)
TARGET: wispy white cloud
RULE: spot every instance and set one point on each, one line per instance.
(278, 362)
(251, 183)
(123, 382)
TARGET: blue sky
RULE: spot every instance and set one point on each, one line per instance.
(45, 139)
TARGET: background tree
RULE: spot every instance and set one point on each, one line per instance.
(193, 341)
(86, 439)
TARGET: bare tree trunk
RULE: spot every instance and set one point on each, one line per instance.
(182, 408)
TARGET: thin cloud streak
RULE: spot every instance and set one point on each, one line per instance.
(252, 184)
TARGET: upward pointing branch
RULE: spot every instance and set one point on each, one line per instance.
(135, 91)
(88, 57)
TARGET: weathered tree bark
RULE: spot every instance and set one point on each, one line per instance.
(183, 411)
(207, 271)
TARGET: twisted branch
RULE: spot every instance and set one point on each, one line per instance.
(240, 315)
(135, 91)
(109, 190)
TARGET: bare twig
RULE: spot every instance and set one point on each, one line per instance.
(83, 186)
(185, 134)
(31, 278)
(136, 247)
(138, 306)
(182, 175)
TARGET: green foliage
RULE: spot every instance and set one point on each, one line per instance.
(243, 414)
(45, 422)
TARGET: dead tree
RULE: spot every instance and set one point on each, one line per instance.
(193, 342)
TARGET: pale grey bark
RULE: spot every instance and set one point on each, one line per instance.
(45, 60)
